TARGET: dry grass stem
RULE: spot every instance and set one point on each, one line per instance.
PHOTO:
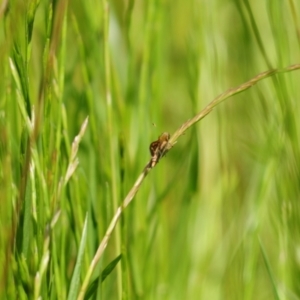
(224, 96)
(171, 143)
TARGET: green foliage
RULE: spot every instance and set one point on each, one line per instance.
(86, 87)
(94, 284)
(74, 287)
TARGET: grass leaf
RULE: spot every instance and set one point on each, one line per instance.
(73, 290)
(94, 284)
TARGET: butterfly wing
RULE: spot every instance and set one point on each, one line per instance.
(154, 146)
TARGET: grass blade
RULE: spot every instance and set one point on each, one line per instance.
(109, 268)
(77, 270)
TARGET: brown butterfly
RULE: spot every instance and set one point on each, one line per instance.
(157, 148)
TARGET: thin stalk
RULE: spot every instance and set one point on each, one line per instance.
(180, 131)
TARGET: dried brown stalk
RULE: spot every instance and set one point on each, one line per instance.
(171, 142)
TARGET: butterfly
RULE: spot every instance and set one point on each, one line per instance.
(158, 148)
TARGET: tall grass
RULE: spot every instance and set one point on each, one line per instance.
(86, 87)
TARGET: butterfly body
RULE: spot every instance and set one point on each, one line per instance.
(158, 148)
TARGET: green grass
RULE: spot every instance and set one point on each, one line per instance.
(87, 86)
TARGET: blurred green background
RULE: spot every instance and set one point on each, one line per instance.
(218, 217)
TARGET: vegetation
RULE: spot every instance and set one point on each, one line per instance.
(87, 86)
